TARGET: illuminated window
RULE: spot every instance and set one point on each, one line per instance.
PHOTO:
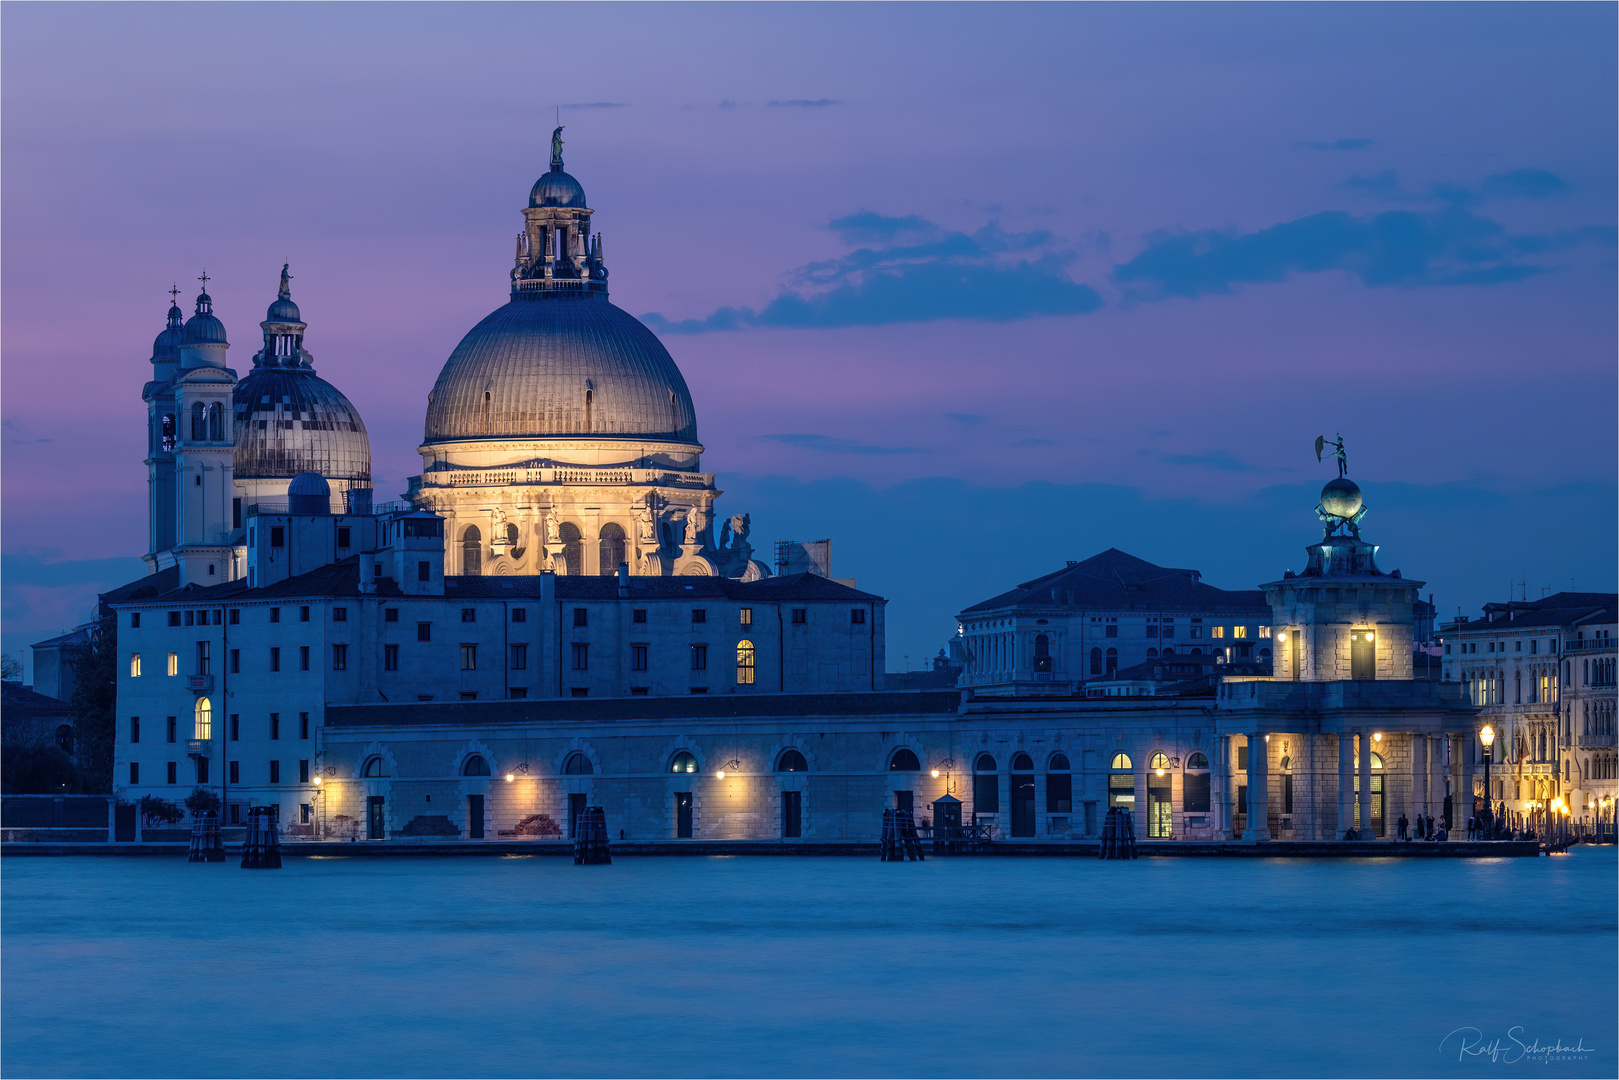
(1239, 631)
(1217, 631)
(744, 663)
(683, 762)
(1158, 761)
(1264, 631)
(1120, 761)
(174, 663)
(745, 616)
(135, 665)
(204, 717)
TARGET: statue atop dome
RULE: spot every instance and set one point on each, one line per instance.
(556, 150)
(1321, 443)
(1341, 506)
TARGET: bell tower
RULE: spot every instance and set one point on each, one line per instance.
(204, 444)
(555, 251)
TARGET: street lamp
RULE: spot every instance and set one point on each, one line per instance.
(1487, 734)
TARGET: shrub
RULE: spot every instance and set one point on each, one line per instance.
(159, 811)
(202, 801)
(37, 770)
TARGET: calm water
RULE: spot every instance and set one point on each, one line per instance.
(806, 966)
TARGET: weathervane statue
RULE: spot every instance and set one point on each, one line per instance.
(556, 149)
(1321, 443)
(1341, 503)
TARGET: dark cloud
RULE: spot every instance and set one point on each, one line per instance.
(1449, 246)
(597, 105)
(802, 103)
(989, 275)
(1337, 144)
(832, 445)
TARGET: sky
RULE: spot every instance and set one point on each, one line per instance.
(969, 289)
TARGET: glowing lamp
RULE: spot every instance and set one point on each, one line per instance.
(1487, 734)
(317, 779)
(935, 774)
(510, 778)
(1378, 737)
(720, 774)
(1160, 772)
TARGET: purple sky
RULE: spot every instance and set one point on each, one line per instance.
(970, 289)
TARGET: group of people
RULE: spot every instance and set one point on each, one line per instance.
(1422, 829)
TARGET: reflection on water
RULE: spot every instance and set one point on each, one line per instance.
(801, 966)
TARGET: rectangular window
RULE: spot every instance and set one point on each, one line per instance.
(275, 614)
(1534, 646)
(857, 616)
(340, 614)
(236, 661)
(1264, 633)
(235, 727)
(275, 725)
(745, 616)
(469, 658)
(218, 615)
(517, 692)
(275, 772)
(303, 658)
(699, 615)
(204, 658)
(278, 536)
(986, 793)
(236, 513)
(581, 656)
(235, 771)
(172, 728)
(174, 772)
(1242, 759)
(519, 657)
(1197, 631)
(390, 658)
(699, 657)
(303, 612)
(639, 615)
(1239, 631)
(344, 536)
(134, 729)
(1168, 629)
(1195, 795)
(134, 665)
(191, 618)
(699, 689)
(306, 812)
(174, 618)
(800, 616)
(469, 614)
(275, 658)
(580, 691)
(303, 725)
(134, 772)
(340, 657)
(424, 631)
(1152, 629)
(1110, 630)
(581, 616)
(390, 614)
(134, 620)
(637, 657)
(174, 663)
(519, 614)
(1216, 631)
(303, 772)
(424, 571)
(1059, 793)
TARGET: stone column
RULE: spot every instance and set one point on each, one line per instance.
(1436, 776)
(1419, 777)
(1346, 781)
(1258, 789)
(1218, 786)
(1364, 799)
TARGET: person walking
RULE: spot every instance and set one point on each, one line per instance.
(1403, 824)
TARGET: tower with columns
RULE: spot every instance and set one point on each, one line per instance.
(1341, 740)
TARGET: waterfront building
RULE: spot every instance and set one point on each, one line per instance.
(1541, 673)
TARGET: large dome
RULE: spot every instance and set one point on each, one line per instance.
(560, 366)
(291, 421)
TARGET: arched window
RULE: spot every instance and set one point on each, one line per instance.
(1096, 661)
(1197, 761)
(611, 549)
(1152, 654)
(1159, 760)
(1169, 650)
(986, 786)
(744, 663)
(1058, 763)
(1112, 661)
(791, 761)
(475, 766)
(903, 760)
(167, 430)
(573, 549)
(1121, 762)
(64, 738)
(1377, 761)
(1023, 763)
(486, 403)
(1196, 651)
(472, 551)
(216, 423)
(199, 423)
(375, 767)
(1286, 763)
(1042, 654)
(580, 765)
(204, 717)
(1264, 654)
(683, 762)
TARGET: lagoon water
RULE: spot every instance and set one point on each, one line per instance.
(154, 967)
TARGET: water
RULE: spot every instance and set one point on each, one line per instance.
(137, 967)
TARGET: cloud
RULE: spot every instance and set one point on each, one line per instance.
(1218, 460)
(1524, 184)
(802, 103)
(831, 445)
(1514, 184)
(597, 105)
(1336, 144)
(1449, 246)
(989, 275)
(970, 419)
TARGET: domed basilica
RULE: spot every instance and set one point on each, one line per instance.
(559, 436)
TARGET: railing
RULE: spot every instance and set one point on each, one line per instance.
(541, 284)
(200, 747)
(199, 682)
(1589, 645)
(1595, 740)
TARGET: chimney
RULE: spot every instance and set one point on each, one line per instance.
(623, 580)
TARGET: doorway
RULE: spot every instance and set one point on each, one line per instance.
(475, 817)
(905, 800)
(1023, 804)
(683, 815)
(1377, 803)
(1362, 655)
(374, 828)
(576, 808)
(792, 814)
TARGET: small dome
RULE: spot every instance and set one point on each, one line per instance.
(290, 421)
(557, 188)
(283, 310)
(1341, 498)
(309, 493)
(167, 345)
(204, 328)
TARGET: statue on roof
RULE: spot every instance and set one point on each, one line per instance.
(556, 148)
(1321, 443)
(286, 278)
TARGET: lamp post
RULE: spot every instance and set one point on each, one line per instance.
(1487, 735)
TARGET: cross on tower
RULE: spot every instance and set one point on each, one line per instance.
(174, 295)
(204, 280)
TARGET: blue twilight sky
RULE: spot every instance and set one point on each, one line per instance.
(971, 289)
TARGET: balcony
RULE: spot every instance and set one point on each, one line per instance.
(200, 682)
(1589, 741)
(1589, 645)
(200, 747)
